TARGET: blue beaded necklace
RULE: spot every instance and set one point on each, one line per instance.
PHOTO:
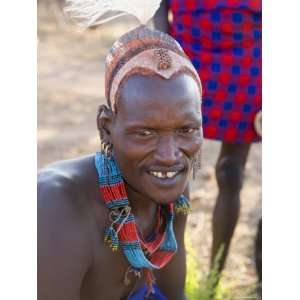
(141, 255)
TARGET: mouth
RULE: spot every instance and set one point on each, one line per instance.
(164, 175)
(166, 179)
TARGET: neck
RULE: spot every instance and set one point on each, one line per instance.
(138, 202)
(143, 209)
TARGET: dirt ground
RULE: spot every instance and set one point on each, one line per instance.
(70, 88)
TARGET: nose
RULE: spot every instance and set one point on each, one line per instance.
(167, 151)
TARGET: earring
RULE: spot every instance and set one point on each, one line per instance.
(109, 149)
(102, 147)
(106, 148)
(196, 164)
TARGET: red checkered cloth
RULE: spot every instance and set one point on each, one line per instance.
(223, 40)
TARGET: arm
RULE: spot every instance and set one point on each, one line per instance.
(63, 256)
(160, 19)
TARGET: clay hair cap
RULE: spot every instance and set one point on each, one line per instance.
(159, 61)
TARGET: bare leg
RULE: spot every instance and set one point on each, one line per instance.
(230, 175)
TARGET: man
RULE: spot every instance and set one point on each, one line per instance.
(223, 40)
(131, 194)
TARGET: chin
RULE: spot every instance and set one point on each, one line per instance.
(160, 190)
(166, 191)
(165, 196)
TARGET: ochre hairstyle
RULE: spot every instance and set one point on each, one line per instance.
(132, 44)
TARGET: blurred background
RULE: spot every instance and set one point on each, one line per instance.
(70, 88)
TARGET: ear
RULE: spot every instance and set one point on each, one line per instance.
(104, 121)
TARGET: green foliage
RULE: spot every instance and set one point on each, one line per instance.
(201, 287)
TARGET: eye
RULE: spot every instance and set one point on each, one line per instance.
(144, 132)
(188, 131)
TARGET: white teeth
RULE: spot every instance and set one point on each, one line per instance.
(164, 174)
(171, 174)
(159, 174)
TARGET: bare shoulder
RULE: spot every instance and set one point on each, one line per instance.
(67, 192)
(66, 173)
(67, 183)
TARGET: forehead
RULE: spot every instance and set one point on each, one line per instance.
(145, 98)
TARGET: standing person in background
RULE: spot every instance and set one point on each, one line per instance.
(223, 40)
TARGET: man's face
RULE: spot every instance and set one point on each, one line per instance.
(156, 133)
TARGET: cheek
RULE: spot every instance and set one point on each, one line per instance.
(191, 146)
(131, 149)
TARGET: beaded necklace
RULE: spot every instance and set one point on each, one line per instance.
(142, 255)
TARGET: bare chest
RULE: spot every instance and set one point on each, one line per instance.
(108, 278)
